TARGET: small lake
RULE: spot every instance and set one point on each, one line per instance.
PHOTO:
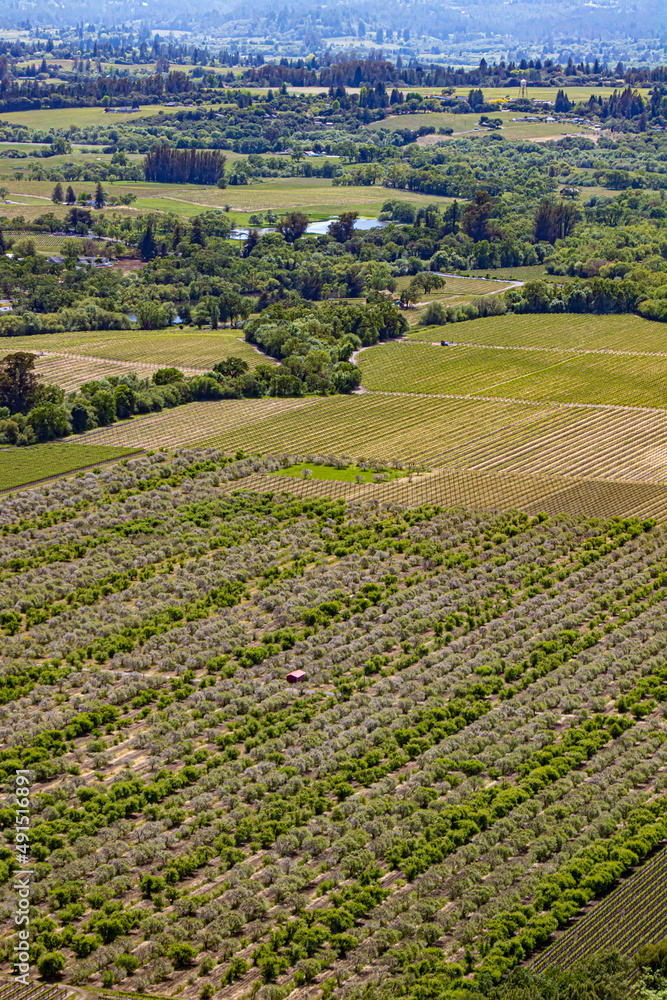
(315, 228)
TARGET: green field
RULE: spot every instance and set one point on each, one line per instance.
(315, 196)
(539, 361)
(189, 347)
(56, 118)
(572, 332)
(465, 124)
(565, 377)
(370, 425)
(20, 466)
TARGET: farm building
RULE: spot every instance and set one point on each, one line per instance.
(295, 677)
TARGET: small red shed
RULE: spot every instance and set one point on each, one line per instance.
(295, 677)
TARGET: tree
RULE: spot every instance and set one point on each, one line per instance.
(452, 217)
(197, 236)
(99, 196)
(412, 293)
(18, 382)
(251, 242)
(124, 397)
(476, 217)
(292, 226)
(70, 249)
(70, 197)
(167, 376)
(182, 953)
(151, 315)
(104, 404)
(81, 417)
(342, 228)
(553, 221)
(79, 219)
(57, 194)
(48, 421)
(51, 964)
(147, 246)
(201, 315)
(563, 103)
(232, 367)
(177, 235)
(25, 248)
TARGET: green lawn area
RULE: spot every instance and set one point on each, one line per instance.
(347, 475)
(21, 466)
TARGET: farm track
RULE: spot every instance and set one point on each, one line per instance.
(633, 915)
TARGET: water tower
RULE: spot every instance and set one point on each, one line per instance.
(524, 84)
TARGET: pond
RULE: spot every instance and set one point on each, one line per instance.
(314, 229)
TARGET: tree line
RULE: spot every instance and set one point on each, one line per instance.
(165, 165)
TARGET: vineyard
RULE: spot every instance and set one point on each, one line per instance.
(19, 466)
(71, 371)
(571, 333)
(478, 751)
(533, 376)
(633, 915)
(189, 348)
(50, 243)
(480, 435)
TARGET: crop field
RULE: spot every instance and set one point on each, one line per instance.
(349, 473)
(489, 491)
(516, 273)
(313, 195)
(481, 729)
(19, 466)
(70, 371)
(367, 425)
(565, 377)
(196, 422)
(189, 347)
(635, 912)
(443, 433)
(612, 444)
(572, 332)
(48, 243)
(455, 285)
